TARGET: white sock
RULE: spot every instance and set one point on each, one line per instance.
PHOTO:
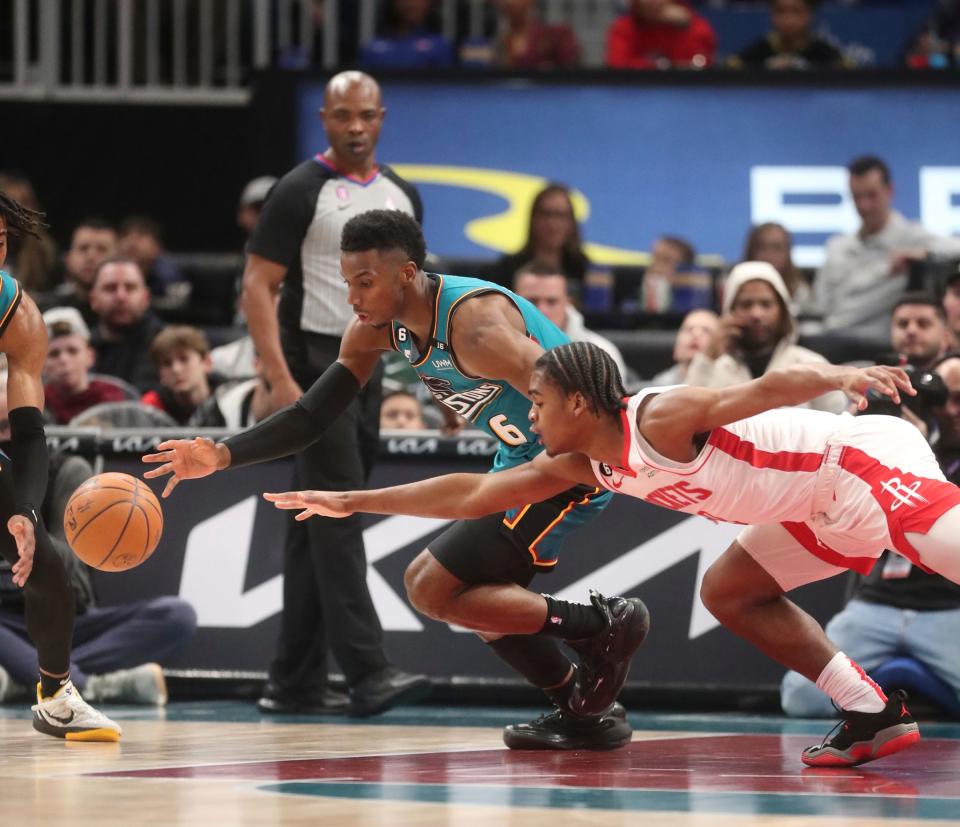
(850, 688)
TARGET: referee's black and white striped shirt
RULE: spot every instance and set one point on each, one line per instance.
(300, 228)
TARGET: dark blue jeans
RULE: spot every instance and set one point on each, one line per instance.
(104, 639)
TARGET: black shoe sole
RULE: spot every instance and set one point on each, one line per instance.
(408, 695)
(616, 734)
(273, 707)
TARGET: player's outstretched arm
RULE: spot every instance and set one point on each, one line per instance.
(679, 414)
(285, 432)
(454, 496)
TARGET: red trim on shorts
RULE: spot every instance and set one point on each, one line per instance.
(909, 502)
(804, 535)
(740, 449)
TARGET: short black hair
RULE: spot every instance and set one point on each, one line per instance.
(385, 230)
(919, 297)
(866, 163)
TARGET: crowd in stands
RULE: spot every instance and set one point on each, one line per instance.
(646, 34)
(115, 338)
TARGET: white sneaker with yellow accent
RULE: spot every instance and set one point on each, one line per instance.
(67, 715)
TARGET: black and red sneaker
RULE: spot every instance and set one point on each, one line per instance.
(866, 736)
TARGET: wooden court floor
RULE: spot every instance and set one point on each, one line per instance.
(221, 763)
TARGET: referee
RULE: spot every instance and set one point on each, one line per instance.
(295, 251)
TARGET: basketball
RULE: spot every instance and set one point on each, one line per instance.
(113, 522)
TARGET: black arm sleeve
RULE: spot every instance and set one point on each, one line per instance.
(28, 450)
(298, 425)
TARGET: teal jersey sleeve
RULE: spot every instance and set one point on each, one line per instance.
(491, 405)
(10, 295)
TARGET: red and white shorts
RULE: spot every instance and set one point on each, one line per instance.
(879, 480)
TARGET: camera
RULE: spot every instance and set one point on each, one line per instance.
(930, 387)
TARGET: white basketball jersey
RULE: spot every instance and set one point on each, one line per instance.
(758, 470)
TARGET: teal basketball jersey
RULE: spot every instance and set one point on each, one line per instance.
(492, 405)
(10, 296)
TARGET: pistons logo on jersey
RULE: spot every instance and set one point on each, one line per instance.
(466, 403)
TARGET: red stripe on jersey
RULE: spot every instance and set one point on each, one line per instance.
(908, 502)
(804, 535)
(627, 442)
(740, 449)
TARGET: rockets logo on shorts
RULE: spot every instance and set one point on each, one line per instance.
(907, 495)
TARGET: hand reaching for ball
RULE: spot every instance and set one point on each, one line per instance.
(22, 530)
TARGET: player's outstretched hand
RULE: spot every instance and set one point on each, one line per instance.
(183, 459)
(22, 530)
(882, 379)
(311, 503)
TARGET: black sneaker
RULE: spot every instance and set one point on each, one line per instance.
(558, 730)
(325, 701)
(866, 736)
(605, 657)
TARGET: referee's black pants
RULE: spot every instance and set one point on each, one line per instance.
(326, 602)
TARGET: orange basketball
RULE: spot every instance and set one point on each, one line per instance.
(113, 522)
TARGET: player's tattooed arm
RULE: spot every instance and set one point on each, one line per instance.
(490, 340)
(454, 496)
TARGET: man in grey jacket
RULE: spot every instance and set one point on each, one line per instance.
(864, 274)
(756, 334)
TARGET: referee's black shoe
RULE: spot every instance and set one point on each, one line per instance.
(387, 688)
(605, 657)
(325, 701)
(560, 730)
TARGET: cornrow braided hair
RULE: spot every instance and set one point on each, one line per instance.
(584, 367)
(20, 220)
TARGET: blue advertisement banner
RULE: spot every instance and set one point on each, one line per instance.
(703, 162)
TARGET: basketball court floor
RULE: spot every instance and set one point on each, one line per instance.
(221, 763)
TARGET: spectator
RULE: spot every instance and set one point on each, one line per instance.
(409, 38)
(918, 330)
(401, 411)
(235, 405)
(864, 274)
(772, 242)
(526, 42)
(251, 202)
(669, 255)
(115, 648)
(141, 239)
(546, 288)
(756, 334)
(553, 237)
(69, 390)
(660, 34)
(792, 44)
(125, 324)
(898, 609)
(951, 306)
(93, 240)
(31, 258)
(937, 45)
(694, 335)
(181, 357)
